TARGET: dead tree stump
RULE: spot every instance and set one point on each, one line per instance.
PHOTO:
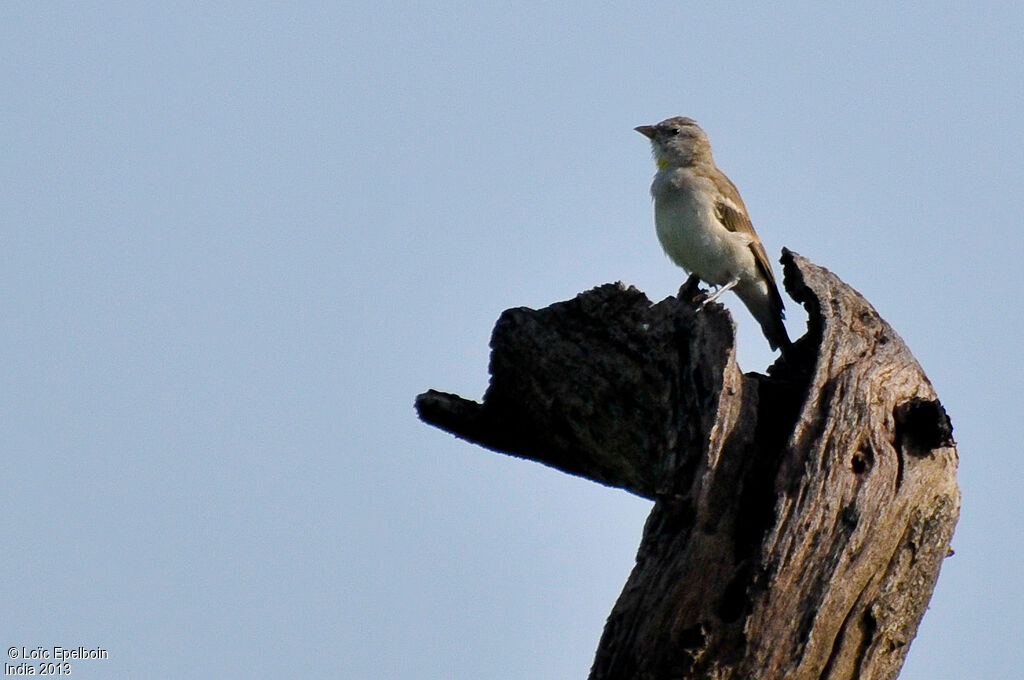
(800, 518)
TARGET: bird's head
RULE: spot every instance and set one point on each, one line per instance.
(677, 142)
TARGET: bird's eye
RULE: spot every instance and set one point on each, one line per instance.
(672, 131)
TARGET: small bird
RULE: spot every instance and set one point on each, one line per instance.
(704, 227)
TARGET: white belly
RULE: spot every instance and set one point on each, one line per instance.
(695, 240)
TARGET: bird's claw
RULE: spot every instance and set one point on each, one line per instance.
(719, 291)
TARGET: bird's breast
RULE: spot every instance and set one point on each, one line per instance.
(690, 232)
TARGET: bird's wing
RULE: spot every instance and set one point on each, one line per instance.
(736, 220)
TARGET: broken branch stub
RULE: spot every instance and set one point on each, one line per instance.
(800, 518)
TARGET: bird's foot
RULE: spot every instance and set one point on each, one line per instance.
(718, 293)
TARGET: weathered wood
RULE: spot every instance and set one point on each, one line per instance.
(800, 518)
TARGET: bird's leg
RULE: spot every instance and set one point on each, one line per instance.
(718, 293)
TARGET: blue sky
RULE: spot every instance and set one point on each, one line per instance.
(239, 238)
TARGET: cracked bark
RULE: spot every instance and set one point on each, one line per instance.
(800, 518)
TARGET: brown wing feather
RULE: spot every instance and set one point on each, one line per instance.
(738, 222)
(732, 213)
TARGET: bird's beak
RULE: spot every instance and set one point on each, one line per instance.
(646, 130)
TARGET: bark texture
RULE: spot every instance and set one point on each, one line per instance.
(800, 518)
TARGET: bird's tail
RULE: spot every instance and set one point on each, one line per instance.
(769, 312)
(775, 331)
